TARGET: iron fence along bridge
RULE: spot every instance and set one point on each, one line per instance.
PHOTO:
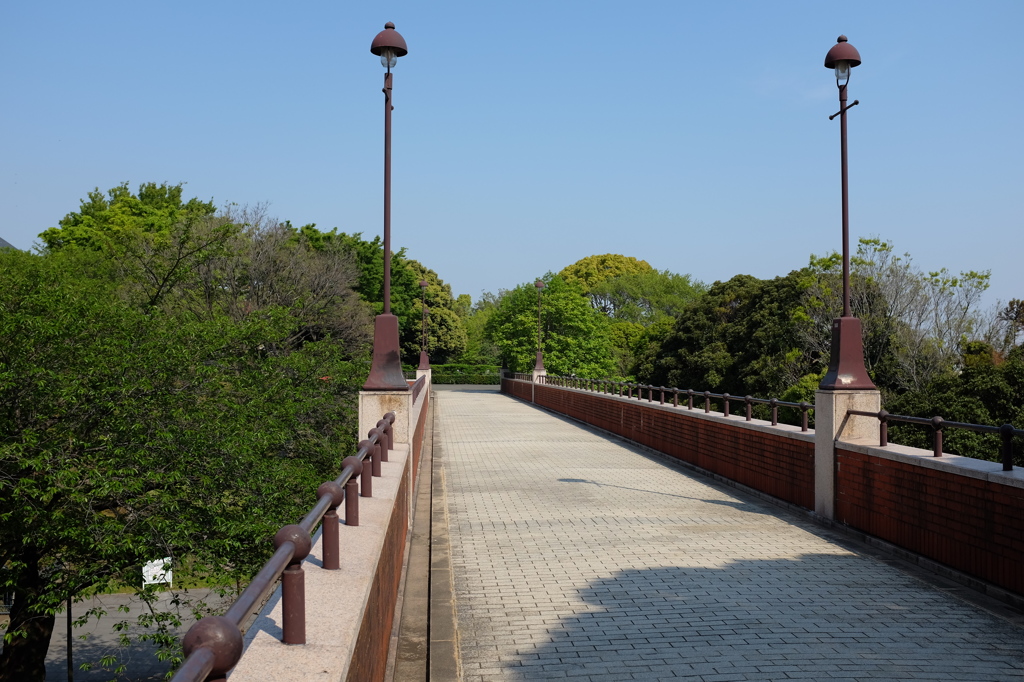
(213, 646)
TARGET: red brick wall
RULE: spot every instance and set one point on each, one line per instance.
(517, 389)
(774, 464)
(370, 658)
(967, 523)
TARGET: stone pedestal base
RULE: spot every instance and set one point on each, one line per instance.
(373, 405)
(831, 423)
(537, 373)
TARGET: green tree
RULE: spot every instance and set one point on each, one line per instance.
(447, 332)
(742, 337)
(191, 424)
(986, 389)
(480, 349)
(154, 209)
(915, 323)
(590, 271)
(645, 297)
(575, 336)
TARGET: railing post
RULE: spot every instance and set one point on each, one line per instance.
(382, 426)
(366, 480)
(675, 397)
(749, 406)
(332, 547)
(630, 387)
(937, 425)
(803, 412)
(1006, 435)
(662, 395)
(774, 402)
(707, 402)
(883, 428)
(293, 585)
(650, 393)
(352, 491)
(689, 398)
(375, 453)
(725, 401)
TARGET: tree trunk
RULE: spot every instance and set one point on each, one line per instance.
(24, 657)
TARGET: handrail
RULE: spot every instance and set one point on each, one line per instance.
(213, 645)
(418, 386)
(625, 389)
(1006, 431)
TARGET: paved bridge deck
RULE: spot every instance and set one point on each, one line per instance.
(577, 556)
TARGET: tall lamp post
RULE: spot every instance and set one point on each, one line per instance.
(539, 365)
(386, 370)
(846, 366)
(424, 360)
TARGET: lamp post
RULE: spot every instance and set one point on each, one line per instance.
(424, 360)
(539, 365)
(386, 370)
(846, 365)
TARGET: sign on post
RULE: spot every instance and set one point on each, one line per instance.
(157, 572)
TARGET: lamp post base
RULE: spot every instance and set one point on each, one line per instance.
(846, 371)
(386, 370)
(424, 360)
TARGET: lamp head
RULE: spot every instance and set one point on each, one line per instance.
(842, 57)
(389, 45)
(423, 284)
(539, 284)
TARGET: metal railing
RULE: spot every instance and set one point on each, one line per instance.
(418, 387)
(213, 646)
(1006, 432)
(525, 376)
(626, 389)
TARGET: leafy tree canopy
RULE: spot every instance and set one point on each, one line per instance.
(741, 337)
(645, 297)
(575, 336)
(179, 402)
(590, 271)
(447, 334)
(154, 209)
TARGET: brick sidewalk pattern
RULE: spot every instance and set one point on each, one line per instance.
(578, 557)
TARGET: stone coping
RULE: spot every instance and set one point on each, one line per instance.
(335, 600)
(784, 430)
(954, 464)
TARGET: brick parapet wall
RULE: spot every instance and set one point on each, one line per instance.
(370, 658)
(961, 512)
(777, 460)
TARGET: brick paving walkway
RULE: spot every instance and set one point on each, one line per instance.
(576, 557)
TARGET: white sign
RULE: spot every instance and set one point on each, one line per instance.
(158, 571)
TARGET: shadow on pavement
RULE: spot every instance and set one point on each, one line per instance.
(818, 616)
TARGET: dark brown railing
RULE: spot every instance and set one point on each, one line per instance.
(213, 646)
(1006, 432)
(626, 389)
(417, 387)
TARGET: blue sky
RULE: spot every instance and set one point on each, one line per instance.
(527, 135)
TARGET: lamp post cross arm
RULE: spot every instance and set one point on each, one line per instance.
(844, 109)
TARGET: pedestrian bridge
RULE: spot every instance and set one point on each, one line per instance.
(545, 548)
